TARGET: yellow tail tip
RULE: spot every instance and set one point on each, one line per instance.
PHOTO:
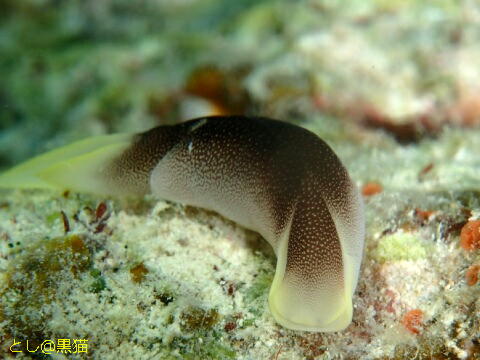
(67, 167)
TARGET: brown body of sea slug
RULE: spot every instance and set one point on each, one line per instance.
(272, 177)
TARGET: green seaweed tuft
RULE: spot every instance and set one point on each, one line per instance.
(400, 246)
(98, 283)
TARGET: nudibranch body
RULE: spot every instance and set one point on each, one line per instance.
(272, 177)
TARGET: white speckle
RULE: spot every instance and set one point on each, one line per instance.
(198, 124)
(190, 147)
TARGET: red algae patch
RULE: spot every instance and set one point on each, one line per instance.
(413, 321)
(371, 188)
(471, 276)
(424, 215)
(470, 236)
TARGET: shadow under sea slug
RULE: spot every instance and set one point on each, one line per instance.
(269, 176)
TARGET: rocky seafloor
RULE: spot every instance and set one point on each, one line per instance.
(391, 86)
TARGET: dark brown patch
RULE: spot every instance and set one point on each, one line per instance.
(138, 273)
(66, 223)
(100, 228)
(230, 326)
(195, 318)
(100, 210)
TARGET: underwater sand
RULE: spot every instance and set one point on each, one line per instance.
(147, 279)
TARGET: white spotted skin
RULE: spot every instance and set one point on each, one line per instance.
(272, 177)
(285, 183)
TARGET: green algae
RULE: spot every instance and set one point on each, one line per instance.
(53, 217)
(34, 281)
(195, 318)
(426, 348)
(200, 337)
(400, 246)
(207, 348)
(256, 294)
(98, 284)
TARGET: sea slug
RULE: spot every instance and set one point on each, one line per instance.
(270, 176)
